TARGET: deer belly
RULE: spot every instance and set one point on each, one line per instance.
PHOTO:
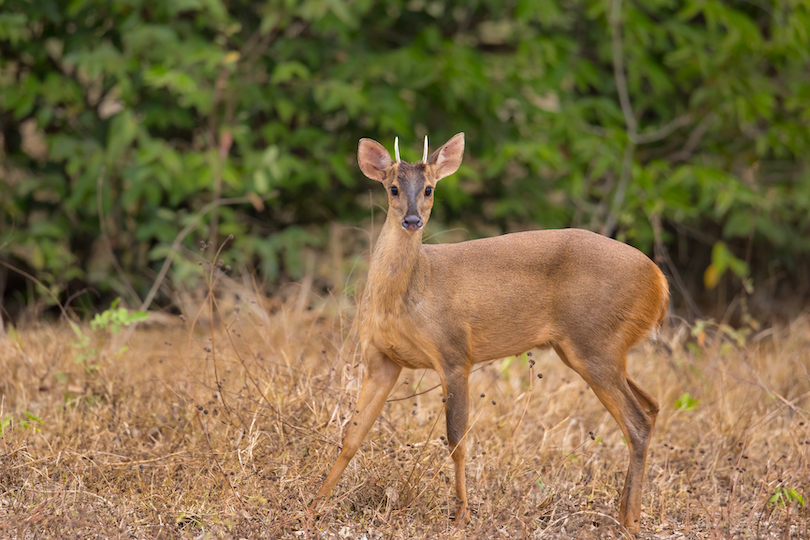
(507, 337)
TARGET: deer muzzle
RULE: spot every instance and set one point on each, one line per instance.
(412, 223)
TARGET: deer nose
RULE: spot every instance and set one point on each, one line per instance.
(412, 223)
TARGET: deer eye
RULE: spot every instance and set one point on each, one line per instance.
(394, 191)
(428, 191)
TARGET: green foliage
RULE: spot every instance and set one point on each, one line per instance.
(686, 402)
(87, 356)
(737, 335)
(122, 120)
(115, 317)
(111, 319)
(723, 259)
(541, 484)
(29, 420)
(783, 496)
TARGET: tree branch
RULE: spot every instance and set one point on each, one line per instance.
(179, 239)
(693, 140)
(629, 119)
(633, 138)
(665, 130)
(618, 70)
(175, 248)
(621, 188)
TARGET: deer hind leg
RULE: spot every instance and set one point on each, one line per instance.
(633, 409)
(381, 376)
(455, 383)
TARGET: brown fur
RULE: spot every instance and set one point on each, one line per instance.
(447, 307)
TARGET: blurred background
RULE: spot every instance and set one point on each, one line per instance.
(135, 130)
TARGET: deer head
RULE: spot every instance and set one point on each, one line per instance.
(410, 185)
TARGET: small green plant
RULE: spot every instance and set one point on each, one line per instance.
(87, 356)
(686, 402)
(30, 420)
(111, 319)
(115, 317)
(737, 335)
(782, 496)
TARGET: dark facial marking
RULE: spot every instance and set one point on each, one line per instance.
(411, 180)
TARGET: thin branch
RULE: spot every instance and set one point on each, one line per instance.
(633, 137)
(693, 140)
(621, 188)
(179, 239)
(650, 136)
(175, 248)
(629, 119)
(618, 70)
(38, 282)
(665, 130)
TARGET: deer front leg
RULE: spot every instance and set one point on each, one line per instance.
(456, 383)
(381, 375)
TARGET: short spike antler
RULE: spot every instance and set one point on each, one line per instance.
(396, 148)
(424, 153)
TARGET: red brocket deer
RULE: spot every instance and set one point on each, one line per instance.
(449, 306)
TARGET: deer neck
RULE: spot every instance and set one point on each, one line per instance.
(396, 267)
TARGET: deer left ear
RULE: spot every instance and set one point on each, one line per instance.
(374, 159)
(447, 159)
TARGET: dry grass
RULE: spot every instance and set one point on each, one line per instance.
(229, 434)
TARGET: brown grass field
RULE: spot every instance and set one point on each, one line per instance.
(228, 432)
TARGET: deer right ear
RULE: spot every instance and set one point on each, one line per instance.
(447, 159)
(373, 159)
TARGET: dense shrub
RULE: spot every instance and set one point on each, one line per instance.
(165, 106)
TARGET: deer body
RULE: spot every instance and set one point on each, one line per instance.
(449, 306)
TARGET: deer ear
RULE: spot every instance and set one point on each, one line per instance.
(447, 159)
(373, 159)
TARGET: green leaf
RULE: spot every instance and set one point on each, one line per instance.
(121, 134)
(4, 424)
(686, 402)
(33, 417)
(783, 496)
(288, 71)
(14, 27)
(723, 259)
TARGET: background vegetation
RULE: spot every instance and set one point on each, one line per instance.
(684, 124)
